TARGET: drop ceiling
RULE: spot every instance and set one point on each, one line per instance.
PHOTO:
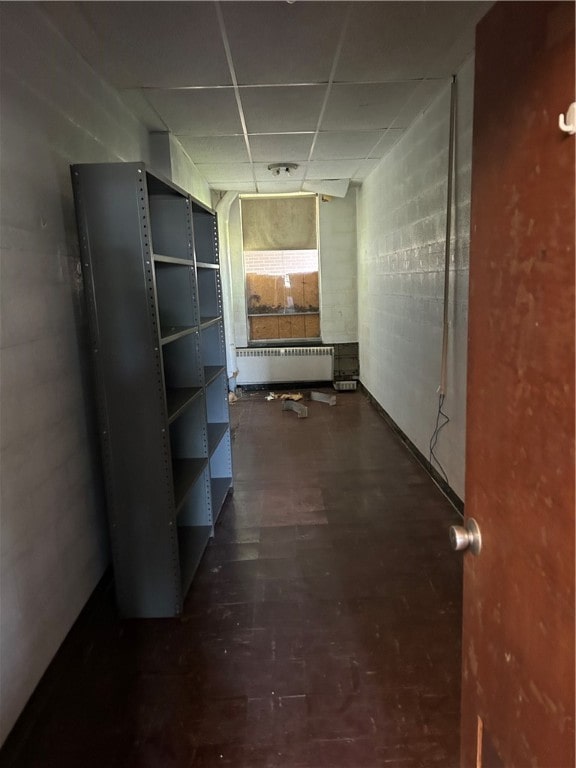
(330, 86)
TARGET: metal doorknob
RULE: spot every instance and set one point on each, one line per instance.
(467, 537)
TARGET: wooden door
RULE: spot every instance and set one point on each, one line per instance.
(518, 633)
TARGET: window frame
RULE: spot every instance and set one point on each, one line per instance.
(285, 341)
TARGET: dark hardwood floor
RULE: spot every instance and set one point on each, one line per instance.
(322, 629)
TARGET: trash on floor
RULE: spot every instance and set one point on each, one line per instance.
(272, 396)
(291, 405)
(320, 397)
(291, 396)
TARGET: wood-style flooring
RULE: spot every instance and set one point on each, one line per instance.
(322, 629)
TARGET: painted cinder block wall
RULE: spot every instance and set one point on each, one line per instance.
(401, 236)
(55, 111)
(338, 269)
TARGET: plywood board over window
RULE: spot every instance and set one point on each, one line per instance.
(281, 268)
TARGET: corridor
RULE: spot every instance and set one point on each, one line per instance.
(322, 629)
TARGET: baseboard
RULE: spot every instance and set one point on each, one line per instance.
(452, 497)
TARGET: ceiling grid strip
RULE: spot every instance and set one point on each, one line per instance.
(230, 61)
(337, 53)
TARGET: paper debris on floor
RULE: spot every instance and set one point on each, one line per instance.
(291, 396)
(272, 396)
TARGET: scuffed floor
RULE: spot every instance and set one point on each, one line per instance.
(322, 630)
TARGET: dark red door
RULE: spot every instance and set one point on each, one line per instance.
(518, 634)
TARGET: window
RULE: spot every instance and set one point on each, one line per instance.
(281, 268)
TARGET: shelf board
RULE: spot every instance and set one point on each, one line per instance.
(161, 259)
(186, 472)
(220, 487)
(216, 432)
(179, 399)
(207, 265)
(282, 314)
(206, 322)
(212, 372)
(174, 332)
(192, 541)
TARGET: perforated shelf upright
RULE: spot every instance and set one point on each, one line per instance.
(213, 353)
(137, 233)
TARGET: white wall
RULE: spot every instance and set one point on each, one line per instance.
(55, 111)
(338, 269)
(401, 228)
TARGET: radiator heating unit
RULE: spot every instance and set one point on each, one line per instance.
(269, 365)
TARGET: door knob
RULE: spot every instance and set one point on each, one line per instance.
(466, 537)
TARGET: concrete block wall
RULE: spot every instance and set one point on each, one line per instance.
(53, 541)
(401, 235)
(338, 270)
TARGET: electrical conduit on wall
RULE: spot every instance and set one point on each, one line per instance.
(441, 417)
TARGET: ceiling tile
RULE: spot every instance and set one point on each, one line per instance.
(332, 169)
(217, 149)
(280, 187)
(274, 42)
(279, 147)
(404, 40)
(350, 144)
(282, 109)
(153, 44)
(365, 107)
(211, 112)
(386, 143)
(263, 174)
(217, 173)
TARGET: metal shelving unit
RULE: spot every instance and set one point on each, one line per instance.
(150, 264)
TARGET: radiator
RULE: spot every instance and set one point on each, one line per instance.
(268, 365)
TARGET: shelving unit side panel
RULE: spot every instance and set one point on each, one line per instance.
(196, 509)
(171, 226)
(176, 294)
(212, 345)
(217, 400)
(205, 235)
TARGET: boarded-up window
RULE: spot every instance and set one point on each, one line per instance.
(281, 268)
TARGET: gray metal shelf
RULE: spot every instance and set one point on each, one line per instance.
(216, 432)
(192, 541)
(143, 241)
(219, 489)
(211, 372)
(185, 473)
(167, 335)
(158, 257)
(206, 322)
(177, 400)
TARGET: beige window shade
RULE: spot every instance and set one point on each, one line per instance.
(279, 224)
